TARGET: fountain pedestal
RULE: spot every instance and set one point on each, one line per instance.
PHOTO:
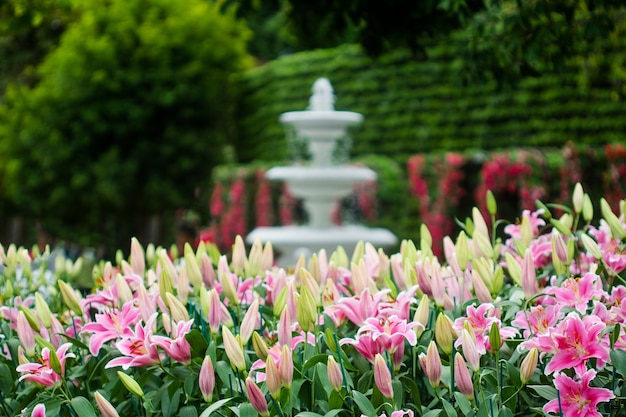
(320, 185)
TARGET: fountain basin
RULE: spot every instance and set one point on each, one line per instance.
(320, 187)
(321, 129)
(290, 242)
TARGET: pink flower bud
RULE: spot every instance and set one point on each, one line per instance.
(285, 366)
(273, 379)
(529, 364)
(25, 334)
(470, 351)
(462, 377)
(233, 349)
(285, 337)
(431, 364)
(334, 373)
(250, 321)
(382, 376)
(256, 397)
(39, 411)
(137, 258)
(105, 407)
(529, 276)
(206, 379)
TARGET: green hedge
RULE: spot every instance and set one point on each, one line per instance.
(413, 107)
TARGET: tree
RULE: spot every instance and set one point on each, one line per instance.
(29, 29)
(131, 114)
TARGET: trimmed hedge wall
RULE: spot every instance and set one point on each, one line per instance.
(437, 188)
(412, 107)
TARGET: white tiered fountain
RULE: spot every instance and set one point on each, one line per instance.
(321, 184)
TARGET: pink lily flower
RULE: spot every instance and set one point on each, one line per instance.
(577, 398)
(576, 292)
(359, 307)
(365, 345)
(41, 372)
(256, 397)
(576, 342)
(111, 325)
(390, 332)
(178, 347)
(538, 320)
(139, 349)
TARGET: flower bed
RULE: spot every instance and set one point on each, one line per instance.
(531, 324)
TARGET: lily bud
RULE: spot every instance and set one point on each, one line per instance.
(515, 269)
(224, 275)
(578, 198)
(131, 385)
(206, 379)
(462, 250)
(215, 310)
(285, 366)
(615, 224)
(431, 364)
(482, 243)
(250, 321)
(70, 298)
(529, 276)
(480, 289)
(105, 407)
(259, 346)
(25, 334)
(334, 373)
(382, 376)
(492, 206)
(272, 378)
(445, 333)
(494, 337)
(306, 311)
(191, 264)
(124, 293)
(422, 315)
(256, 397)
(480, 226)
(267, 257)
(426, 239)
(177, 310)
(39, 411)
(284, 328)
(470, 351)
(591, 246)
(137, 258)
(233, 349)
(587, 208)
(239, 256)
(529, 364)
(252, 266)
(462, 377)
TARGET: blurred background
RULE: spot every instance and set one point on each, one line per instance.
(157, 118)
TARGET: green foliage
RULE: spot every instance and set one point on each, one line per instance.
(412, 106)
(129, 118)
(29, 29)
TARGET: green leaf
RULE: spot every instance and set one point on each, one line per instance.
(618, 358)
(314, 360)
(547, 392)
(464, 405)
(364, 404)
(246, 410)
(308, 414)
(214, 407)
(83, 407)
(188, 411)
(197, 342)
(449, 409)
(333, 413)
(505, 412)
(6, 380)
(433, 413)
